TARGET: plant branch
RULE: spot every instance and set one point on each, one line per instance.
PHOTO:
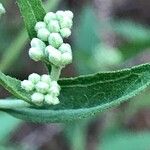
(55, 72)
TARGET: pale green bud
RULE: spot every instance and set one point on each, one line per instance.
(60, 15)
(66, 22)
(49, 16)
(46, 78)
(27, 85)
(54, 89)
(55, 101)
(55, 40)
(54, 55)
(65, 48)
(66, 58)
(40, 25)
(2, 9)
(49, 99)
(53, 26)
(37, 98)
(34, 78)
(42, 87)
(65, 32)
(35, 42)
(69, 14)
(43, 34)
(36, 54)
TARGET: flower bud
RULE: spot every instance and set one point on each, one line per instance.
(65, 32)
(49, 99)
(46, 78)
(54, 89)
(35, 42)
(69, 14)
(2, 9)
(54, 55)
(43, 34)
(49, 16)
(27, 85)
(55, 101)
(34, 78)
(42, 87)
(66, 23)
(60, 15)
(40, 25)
(65, 48)
(37, 98)
(66, 58)
(55, 40)
(36, 54)
(53, 26)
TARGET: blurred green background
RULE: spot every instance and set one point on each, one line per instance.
(107, 35)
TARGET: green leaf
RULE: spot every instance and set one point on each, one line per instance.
(83, 96)
(32, 12)
(13, 86)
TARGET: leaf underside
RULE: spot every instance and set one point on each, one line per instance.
(32, 12)
(82, 96)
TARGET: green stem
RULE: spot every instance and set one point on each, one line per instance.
(8, 104)
(55, 72)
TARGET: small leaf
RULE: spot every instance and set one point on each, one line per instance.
(83, 96)
(13, 86)
(32, 12)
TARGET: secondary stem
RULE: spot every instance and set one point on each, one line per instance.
(55, 72)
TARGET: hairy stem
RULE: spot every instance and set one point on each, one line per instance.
(55, 72)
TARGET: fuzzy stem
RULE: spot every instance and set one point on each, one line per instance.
(8, 104)
(55, 72)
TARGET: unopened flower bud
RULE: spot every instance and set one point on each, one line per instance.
(55, 40)
(54, 55)
(65, 32)
(34, 78)
(49, 99)
(53, 26)
(54, 89)
(65, 48)
(35, 42)
(69, 14)
(55, 101)
(66, 22)
(43, 34)
(60, 15)
(40, 25)
(36, 54)
(27, 85)
(49, 16)
(46, 78)
(42, 87)
(66, 58)
(37, 98)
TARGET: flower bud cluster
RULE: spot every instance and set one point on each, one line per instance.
(45, 91)
(49, 43)
(2, 9)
